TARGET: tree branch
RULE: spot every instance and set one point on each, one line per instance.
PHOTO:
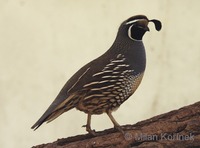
(177, 128)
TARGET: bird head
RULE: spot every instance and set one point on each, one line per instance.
(137, 26)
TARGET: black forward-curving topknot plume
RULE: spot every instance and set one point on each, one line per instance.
(157, 24)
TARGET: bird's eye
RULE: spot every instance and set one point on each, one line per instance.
(136, 32)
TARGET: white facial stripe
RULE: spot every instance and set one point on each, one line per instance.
(129, 34)
(131, 22)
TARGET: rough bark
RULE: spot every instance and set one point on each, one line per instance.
(177, 128)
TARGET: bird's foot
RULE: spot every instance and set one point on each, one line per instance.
(119, 128)
(89, 130)
(126, 135)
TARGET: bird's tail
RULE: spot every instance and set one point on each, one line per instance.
(55, 110)
(50, 117)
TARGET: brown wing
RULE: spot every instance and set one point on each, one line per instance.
(67, 97)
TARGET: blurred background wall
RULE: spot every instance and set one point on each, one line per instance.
(43, 43)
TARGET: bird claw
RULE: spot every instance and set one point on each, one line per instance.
(119, 128)
(89, 130)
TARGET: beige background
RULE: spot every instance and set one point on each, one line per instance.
(43, 43)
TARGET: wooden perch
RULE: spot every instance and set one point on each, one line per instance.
(178, 128)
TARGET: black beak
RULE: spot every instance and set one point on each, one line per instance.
(157, 24)
(147, 28)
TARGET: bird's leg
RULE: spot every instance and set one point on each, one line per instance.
(116, 125)
(88, 127)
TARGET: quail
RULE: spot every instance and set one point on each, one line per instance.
(103, 84)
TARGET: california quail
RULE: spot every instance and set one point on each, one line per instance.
(103, 84)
